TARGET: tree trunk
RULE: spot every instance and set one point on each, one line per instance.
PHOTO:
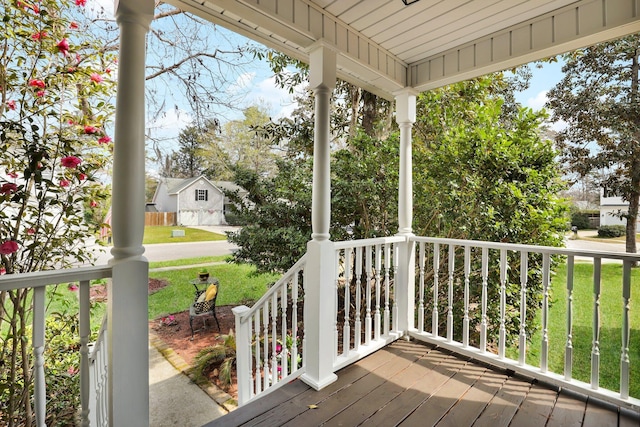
(369, 102)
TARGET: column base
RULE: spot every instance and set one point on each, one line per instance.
(318, 385)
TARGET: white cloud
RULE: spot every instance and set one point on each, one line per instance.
(169, 124)
(243, 82)
(280, 100)
(538, 101)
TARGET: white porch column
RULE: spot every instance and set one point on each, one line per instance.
(319, 273)
(405, 290)
(128, 351)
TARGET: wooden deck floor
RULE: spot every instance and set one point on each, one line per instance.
(411, 384)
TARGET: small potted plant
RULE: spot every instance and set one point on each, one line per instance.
(203, 275)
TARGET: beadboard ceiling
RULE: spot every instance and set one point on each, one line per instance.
(384, 46)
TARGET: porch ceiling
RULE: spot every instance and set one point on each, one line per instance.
(384, 46)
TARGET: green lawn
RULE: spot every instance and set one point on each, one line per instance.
(238, 285)
(162, 234)
(610, 321)
(189, 261)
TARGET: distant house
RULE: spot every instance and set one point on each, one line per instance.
(610, 205)
(196, 201)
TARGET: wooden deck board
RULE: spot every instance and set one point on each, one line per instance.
(504, 404)
(434, 408)
(404, 404)
(568, 411)
(534, 411)
(472, 404)
(408, 383)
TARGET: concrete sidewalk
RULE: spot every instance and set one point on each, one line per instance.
(174, 400)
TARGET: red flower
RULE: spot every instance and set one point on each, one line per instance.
(8, 187)
(40, 93)
(36, 83)
(8, 247)
(39, 35)
(104, 140)
(71, 122)
(12, 175)
(3, 271)
(90, 130)
(82, 176)
(81, 2)
(11, 105)
(93, 204)
(31, 231)
(108, 71)
(73, 25)
(63, 46)
(64, 183)
(97, 78)
(70, 161)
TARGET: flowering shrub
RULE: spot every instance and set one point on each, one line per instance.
(49, 169)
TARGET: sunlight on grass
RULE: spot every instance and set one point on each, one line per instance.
(238, 285)
(610, 326)
(162, 234)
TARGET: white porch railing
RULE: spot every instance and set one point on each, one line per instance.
(457, 278)
(367, 307)
(269, 339)
(38, 281)
(98, 377)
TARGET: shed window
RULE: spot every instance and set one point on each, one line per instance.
(202, 195)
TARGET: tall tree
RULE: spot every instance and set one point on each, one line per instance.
(55, 108)
(598, 99)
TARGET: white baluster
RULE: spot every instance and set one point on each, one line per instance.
(336, 305)
(624, 354)
(376, 314)
(421, 289)
(259, 366)
(387, 289)
(595, 348)
(450, 294)
(524, 274)
(294, 322)
(274, 338)
(394, 316)
(357, 336)
(568, 352)
(367, 277)
(436, 275)
(346, 328)
(40, 390)
(465, 318)
(284, 351)
(503, 303)
(265, 337)
(485, 280)
(544, 355)
(85, 331)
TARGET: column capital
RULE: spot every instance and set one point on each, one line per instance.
(322, 66)
(406, 105)
(134, 11)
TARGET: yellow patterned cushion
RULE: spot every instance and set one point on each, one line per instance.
(212, 290)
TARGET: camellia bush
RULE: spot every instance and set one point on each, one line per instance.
(56, 88)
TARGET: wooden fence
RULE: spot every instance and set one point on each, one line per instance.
(159, 218)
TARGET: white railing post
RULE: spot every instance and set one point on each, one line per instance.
(404, 282)
(128, 337)
(319, 314)
(243, 355)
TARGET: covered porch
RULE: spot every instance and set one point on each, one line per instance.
(357, 297)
